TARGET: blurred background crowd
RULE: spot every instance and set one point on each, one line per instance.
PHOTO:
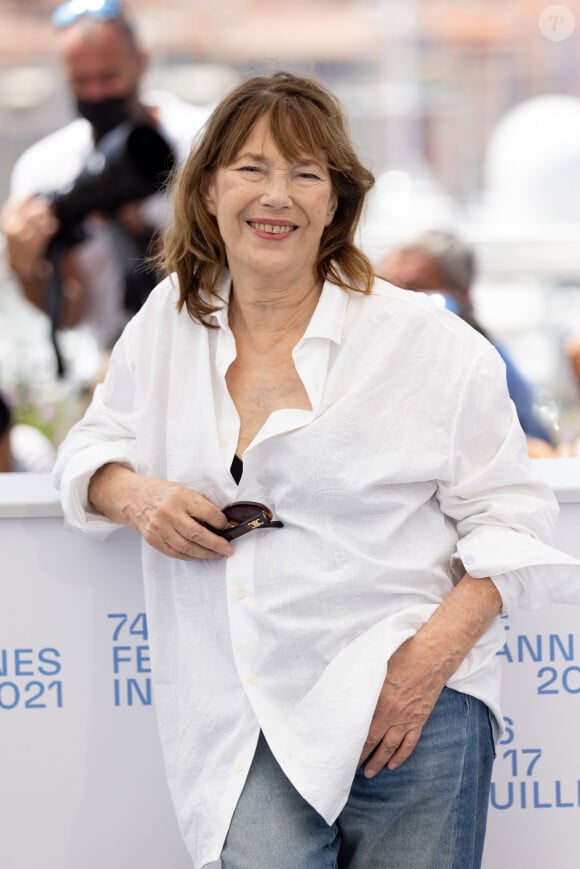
(466, 111)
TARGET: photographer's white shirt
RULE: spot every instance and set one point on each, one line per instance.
(410, 466)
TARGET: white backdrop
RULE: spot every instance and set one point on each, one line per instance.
(534, 815)
(81, 781)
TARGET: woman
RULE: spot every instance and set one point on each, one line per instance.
(272, 355)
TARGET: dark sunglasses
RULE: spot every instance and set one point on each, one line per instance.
(244, 516)
(69, 12)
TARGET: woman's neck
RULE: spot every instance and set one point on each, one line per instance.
(274, 312)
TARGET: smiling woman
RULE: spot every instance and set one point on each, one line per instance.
(327, 690)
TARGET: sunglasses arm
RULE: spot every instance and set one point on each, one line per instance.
(260, 521)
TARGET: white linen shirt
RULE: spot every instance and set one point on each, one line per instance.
(410, 464)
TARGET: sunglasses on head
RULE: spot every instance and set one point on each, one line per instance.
(69, 12)
(244, 516)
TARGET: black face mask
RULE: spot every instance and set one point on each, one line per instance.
(105, 115)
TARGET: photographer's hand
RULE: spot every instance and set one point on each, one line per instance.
(28, 225)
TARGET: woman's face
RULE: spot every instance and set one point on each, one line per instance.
(271, 212)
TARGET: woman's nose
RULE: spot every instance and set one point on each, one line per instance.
(277, 189)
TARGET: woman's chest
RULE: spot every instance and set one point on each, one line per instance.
(258, 388)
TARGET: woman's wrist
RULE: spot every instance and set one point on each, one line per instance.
(112, 489)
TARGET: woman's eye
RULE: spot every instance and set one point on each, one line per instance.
(306, 178)
(251, 170)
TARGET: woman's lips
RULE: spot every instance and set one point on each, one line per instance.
(272, 228)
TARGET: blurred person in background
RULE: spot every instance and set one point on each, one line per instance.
(104, 65)
(439, 262)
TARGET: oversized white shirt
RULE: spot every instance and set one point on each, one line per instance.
(410, 464)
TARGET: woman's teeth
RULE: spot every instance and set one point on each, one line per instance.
(275, 229)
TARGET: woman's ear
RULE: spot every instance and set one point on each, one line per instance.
(332, 206)
(208, 192)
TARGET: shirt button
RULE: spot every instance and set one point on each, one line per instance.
(239, 592)
(239, 767)
(219, 361)
(252, 679)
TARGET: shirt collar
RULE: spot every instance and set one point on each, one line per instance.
(326, 322)
(328, 318)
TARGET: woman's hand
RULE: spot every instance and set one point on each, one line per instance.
(409, 693)
(164, 513)
(419, 669)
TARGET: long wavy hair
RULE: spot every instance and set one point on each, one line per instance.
(303, 117)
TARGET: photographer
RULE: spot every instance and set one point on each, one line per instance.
(104, 65)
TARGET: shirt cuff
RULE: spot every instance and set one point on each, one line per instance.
(526, 572)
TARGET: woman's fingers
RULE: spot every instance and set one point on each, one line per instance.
(392, 750)
(167, 519)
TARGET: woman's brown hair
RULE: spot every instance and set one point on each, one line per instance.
(303, 118)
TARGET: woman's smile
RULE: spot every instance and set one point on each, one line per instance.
(272, 230)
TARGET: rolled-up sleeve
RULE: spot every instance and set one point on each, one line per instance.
(105, 434)
(504, 516)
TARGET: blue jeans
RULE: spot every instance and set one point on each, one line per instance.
(429, 813)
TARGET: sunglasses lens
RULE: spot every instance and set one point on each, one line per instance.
(243, 511)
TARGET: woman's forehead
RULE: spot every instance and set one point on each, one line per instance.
(264, 138)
